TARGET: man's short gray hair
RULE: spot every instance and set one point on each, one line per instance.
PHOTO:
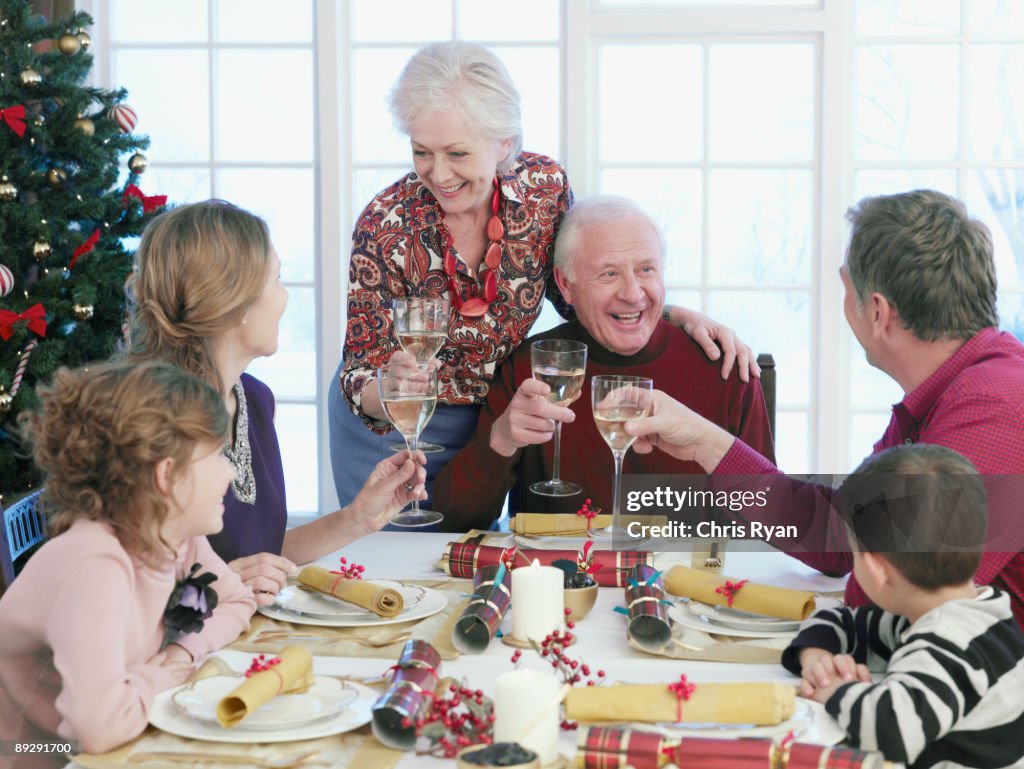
(922, 252)
(587, 211)
(460, 75)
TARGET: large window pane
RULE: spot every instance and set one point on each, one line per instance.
(638, 120)
(997, 102)
(994, 196)
(761, 228)
(907, 17)
(712, 3)
(535, 74)
(778, 322)
(157, 21)
(264, 21)
(374, 136)
(527, 20)
(297, 433)
(180, 185)
(907, 102)
(891, 181)
(1001, 17)
(252, 127)
(674, 200)
(170, 92)
(401, 21)
(865, 431)
(284, 198)
(761, 102)
(1011, 313)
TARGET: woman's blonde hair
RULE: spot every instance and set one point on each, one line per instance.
(198, 269)
(99, 434)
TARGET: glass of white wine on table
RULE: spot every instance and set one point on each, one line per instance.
(561, 364)
(421, 325)
(616, 400)
(408, 393)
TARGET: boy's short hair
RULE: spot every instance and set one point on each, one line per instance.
(923, 508)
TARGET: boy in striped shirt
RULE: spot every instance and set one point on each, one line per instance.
(951, 655)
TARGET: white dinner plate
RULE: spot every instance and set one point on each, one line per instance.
(167, 717)
(809, 723)
(684, 614)
(326, 698)
(431, 603)
(745, 620)
(310, 603)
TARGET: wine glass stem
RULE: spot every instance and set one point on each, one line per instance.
(411, 442)
(616, 521)
(557, 470)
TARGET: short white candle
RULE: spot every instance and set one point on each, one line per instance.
(521, 695)
(537, 603)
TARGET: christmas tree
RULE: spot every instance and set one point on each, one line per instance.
(64, 215)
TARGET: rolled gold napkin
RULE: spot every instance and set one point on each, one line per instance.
(771, 601)
(382, 601)
(570, 524)
(292, 675)
(737, 703)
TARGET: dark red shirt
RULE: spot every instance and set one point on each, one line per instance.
(973, 404)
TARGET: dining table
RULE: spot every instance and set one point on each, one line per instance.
(601, 643)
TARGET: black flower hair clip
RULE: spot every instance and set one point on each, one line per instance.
(191, 603)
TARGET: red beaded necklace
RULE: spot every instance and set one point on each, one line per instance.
(474, 306)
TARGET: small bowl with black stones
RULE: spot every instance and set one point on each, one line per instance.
(580, 594)
(497, 754)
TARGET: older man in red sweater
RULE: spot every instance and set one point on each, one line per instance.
(609, 259)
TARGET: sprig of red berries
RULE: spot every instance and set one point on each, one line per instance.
(588, 512)
(572, 671)
(458, 719)
(261, 663)
(350, 570)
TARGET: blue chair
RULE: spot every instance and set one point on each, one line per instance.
(24, 529)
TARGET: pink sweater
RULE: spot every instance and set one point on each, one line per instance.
(76, 629)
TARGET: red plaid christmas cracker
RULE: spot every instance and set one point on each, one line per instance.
(464, 558)
(649, 626)
(492, 595)
(412, 688)
(805, 756)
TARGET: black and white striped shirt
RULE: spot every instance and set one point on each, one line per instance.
(953, 691)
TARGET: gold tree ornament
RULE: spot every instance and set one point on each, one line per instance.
(82, 311)
(138, 163)
(30, 77)
(56, 176)
(7, 190)
(86, 126)
(69, 44)
(6, 401)
(84, 39)
(41, 250)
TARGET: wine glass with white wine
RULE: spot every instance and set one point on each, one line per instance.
(561, 364)
(421, 325)
(408, 394)
(615, 400)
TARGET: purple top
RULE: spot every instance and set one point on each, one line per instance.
(258, 527)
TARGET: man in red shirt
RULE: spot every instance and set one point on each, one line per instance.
(921, 299)
(609, 259)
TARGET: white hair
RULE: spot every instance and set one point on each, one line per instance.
(463, 75)
(588, 211)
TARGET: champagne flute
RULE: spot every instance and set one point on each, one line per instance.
(561, 364)
(408, 394)
(615, 400)
(421, 325)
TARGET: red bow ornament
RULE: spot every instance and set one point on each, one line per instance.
(683, 690)
(15, 118)
(149, 202)
(35, 315)
(730, 589)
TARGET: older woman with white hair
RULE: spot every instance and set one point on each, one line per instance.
(475, 222)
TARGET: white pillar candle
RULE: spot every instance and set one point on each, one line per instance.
(537, 603)
(520, 697)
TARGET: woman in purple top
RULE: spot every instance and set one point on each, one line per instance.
(206, 295)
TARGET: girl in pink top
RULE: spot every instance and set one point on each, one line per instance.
(136, 480)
